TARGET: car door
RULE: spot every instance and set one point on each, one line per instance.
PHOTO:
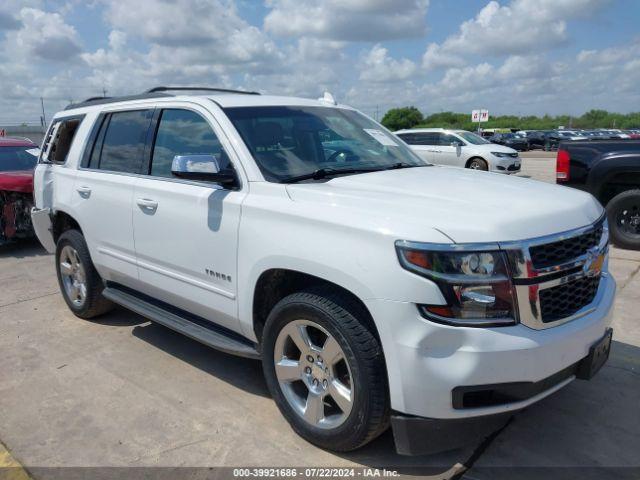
(450, 150)
(103, 190)
(415, 141)
(186, 232)
(443, 153)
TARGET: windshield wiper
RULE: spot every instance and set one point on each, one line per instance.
(330, 172)
(399, 165)
(327, 172)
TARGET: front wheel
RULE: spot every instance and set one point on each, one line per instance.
(325, 369)
(478, 164)
(623, 212)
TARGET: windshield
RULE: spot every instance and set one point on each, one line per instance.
(18, 158)
(287, 142)
(472, 138)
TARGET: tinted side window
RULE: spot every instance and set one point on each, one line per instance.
(93, 159)
(408, 138)
(124, 140)
(446, 139)
(183, 132)
(425, 139)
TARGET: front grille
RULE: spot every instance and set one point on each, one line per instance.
(564, 300)
(563, 251)
(513, 167)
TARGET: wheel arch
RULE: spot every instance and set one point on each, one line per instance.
(616, 183)
(61, 222)
(475, 157)
(276, 283)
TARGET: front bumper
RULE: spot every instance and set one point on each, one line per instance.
(427, 361)
(507, 165)
(422, 436)
(419, 436)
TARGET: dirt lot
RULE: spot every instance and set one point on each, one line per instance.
(122, 392)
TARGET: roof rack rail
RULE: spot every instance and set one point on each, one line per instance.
(206, 89)
(105, 100)
(155, 92)
(91, 99)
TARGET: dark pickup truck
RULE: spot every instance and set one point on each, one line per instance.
(609, 170)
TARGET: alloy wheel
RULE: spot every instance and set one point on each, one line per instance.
(313, 374)
(73, 276)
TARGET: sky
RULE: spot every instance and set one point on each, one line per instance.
(516, 57)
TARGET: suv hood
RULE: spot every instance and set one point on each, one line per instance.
(467, 206)
(20, 181)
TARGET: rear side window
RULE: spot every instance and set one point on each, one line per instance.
(420, 138)
(120, 142)
(183, 132)
(57, 144)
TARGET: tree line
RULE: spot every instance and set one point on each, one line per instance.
(411, 117)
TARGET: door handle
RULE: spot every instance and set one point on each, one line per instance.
(85, 192)
(147, 205)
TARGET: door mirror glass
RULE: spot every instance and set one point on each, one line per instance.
(194, 164)
(201, 167)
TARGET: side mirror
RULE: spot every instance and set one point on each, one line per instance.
(455, 144)
(204, 168)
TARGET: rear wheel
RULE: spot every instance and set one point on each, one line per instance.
(478, 164)
(325, 369)
(80, 283)
(623, 212)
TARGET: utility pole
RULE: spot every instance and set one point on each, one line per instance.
(44, 118)
(104, 91)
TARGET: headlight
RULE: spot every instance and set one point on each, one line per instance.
(475, 283)
(500, 154)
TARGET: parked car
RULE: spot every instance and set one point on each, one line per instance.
(18, 158)
(511, 140)
(610, 170)
(535, 138)
(377, 289)
(459, 148)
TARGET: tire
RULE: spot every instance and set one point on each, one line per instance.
(343, 320)
(623, 212)
(88, 302)
(477, 163)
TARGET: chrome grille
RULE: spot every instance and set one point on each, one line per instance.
(563, 251)
(565, 300)
(557, 278)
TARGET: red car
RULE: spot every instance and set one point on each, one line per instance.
(18, 158)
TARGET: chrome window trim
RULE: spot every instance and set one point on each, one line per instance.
(527, 295)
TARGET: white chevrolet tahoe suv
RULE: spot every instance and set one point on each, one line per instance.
(377, 289)
(460, 148)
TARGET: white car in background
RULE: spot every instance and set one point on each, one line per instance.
(460, 148)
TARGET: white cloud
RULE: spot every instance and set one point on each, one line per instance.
(378, 67)
(45, 36)
(347, 20)
(201, 31)
(512, 29)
